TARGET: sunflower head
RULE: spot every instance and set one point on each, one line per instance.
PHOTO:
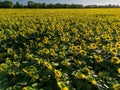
(57, 73)
(118, 70)
(116, 86)
(98, 58)
(93, 46)
(86, 71)
(117, 45)
(115, 60)
(114, 51)
(48, 65)
(80, 76)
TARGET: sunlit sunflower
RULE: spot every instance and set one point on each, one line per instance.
(55, 46)
(117, 45)
(109, 38)
(93, 81)
(86, 71)
(24, 88)
(118, 38)
(46, 40)
(114, 51)
(58, 74)
(78, 47)
(59, 84)
(116, 86)
(78, 62)
(83, 52)
(101, 74)
(109, 45)
(74, 30)
(63, 39)
(118, 70)
(98, 58)
(48, 65)
(115, 60)
(65, 88)
(65, 63)
(52, 52)
(45, 50)
(97, 38)
(62, 86)
(80, 75)
(93, 46)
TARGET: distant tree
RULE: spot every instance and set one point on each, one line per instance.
(76, 6)
(44, 5)
(7, 4)
(18, 5)
(1, 3)
(91, 6)
(31, 4)
(65, 5)
(39, 5)
(50, 5)
(58, 5)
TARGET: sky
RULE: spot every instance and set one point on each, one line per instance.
(84, 2)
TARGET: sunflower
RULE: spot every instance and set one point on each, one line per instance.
(72, 47)
(93, 46)
(55, 46)
(86, 71)
(97, 38)
(9, 50)
(98, 58)
(40, 45)
(48, 65)
(114, 51)
(74, 30)
(118, 70)
(78, 62)
(63, 39)
(45, 50)
(52, 52)
(45, 40)
(59, 84)
(4, 37)
(65, 88)
(80, 76)
(118, 32)
(66, 39)
(109, 38)
(104, 48)
(15, 56)
(103, 36)
(58, 74)
(78, 47)
(116, 87)
(93, 82)
(62, 86)
(24, 88)
(118, 38)
(115, 60)
(65, 63)
(83, 52)
(109, 45)
(101, 74)
(117, 45)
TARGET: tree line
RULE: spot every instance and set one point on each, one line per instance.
(32, 4)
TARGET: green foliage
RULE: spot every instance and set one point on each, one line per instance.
(59, 49)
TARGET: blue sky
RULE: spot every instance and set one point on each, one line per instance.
(84, 2)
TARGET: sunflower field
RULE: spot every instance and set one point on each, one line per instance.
(60, 49)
